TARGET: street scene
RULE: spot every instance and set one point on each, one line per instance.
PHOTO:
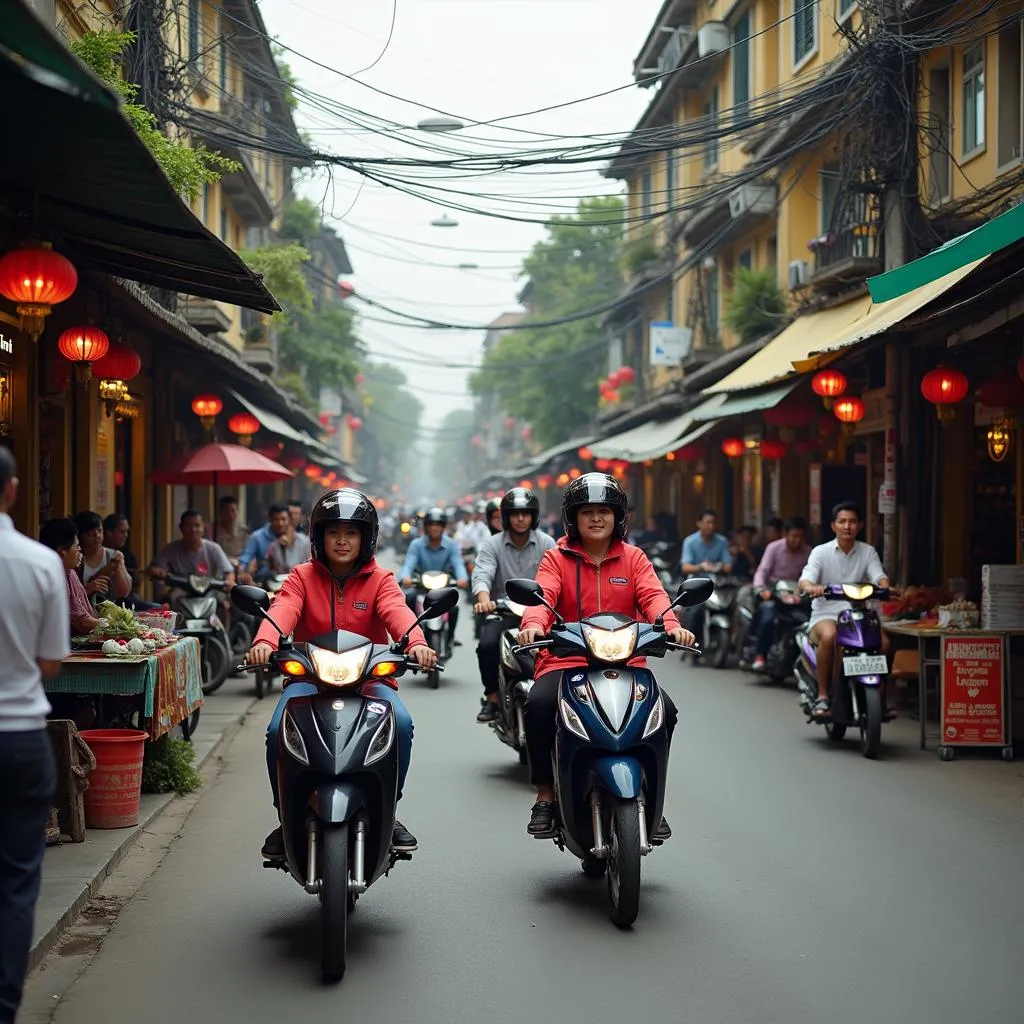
(500, 495)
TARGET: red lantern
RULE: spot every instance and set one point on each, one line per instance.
(354, 423)
(345, 289)
(324, 418)
(1002, 393)
(83, 346)
(828, 385)
(544, 481)
(944, 387)
(574, 474)
(619, 471)
(207, 408)
(733, 447)
(849, 410)
(245, 425)
(120, 363)
(527, 432)
(585, 453)
(510, 422)
(475, 441)
(294, 461)
(627, 375)
(35, 278)
(790, 414)
(805, 446)
(527, 484)
(773, 449)
(689, 453)
(614, 379)
(360, 378)
(312, 472)
(826, 424)
(602, 465)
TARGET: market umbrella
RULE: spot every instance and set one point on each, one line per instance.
(217, 464)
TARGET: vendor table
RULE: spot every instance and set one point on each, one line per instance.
(170, 681)
(932, 641)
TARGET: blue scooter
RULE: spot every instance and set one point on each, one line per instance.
(611, 749)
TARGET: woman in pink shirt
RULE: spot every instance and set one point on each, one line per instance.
(62, 536)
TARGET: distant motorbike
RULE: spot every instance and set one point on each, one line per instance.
(403, 536)
(860, 669)
(435, 627)
(196, 598)
(792, 611)
(338, 768)
(515, 679)
(666, 565)
(611, 751)
(713, 624)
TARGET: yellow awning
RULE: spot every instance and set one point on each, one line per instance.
(813, 340)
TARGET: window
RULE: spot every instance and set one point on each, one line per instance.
(711, 127)
(845, 8)
(645, 194)
(223, 72)
(742, 54)
(771, 251)
(805, 30)
(711, 290)
(1009, 94)
(828, 190)
(746, 259)
(194, 28)
(974, 98)
(940, 130)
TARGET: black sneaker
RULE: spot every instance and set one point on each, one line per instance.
(456, 643)
(542, 820)
(662, 832)
(488, 713)
(402, 840)
(273, 845)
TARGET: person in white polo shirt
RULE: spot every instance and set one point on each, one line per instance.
(34, 639)
(841, 560)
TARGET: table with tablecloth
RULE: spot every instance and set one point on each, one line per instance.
(170, 681)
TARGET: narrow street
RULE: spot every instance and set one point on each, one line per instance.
(803, 885)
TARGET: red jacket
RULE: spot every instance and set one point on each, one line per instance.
(624, 582)
(371, 604)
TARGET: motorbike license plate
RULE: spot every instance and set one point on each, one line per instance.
(866, 665)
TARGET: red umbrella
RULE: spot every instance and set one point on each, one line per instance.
(220, 464)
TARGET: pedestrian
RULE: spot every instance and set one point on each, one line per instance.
(34, 639)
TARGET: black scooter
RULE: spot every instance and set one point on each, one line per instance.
(337, 767)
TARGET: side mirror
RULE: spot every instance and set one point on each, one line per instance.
(693, 592)
(250, 600)
(528, 592)
(437, 602)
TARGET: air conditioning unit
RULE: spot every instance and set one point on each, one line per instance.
(712, 37)
(758, 199)
(799, 274)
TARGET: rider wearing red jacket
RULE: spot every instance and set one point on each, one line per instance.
(591, 570)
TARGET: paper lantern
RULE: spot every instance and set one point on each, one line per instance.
(354, 423)
(574, 474)
(120, 363)
(245, 425)
(627, 375)
(360, 378)
(544, 480)
(207, 408)
(83, 346)
(324, 419)
(790, 414)
(602, 465)
(510, 422)
(345, 289)
(689, 453)
(805, 446)
(312, 472)
(773, 449)
(733, 447)
(1005, 392)
(294, 461)
(828, 385)
(585, 453)
(35, 278)
(527, 484)
(563, 479)
(849, 410)
(944, 387)
(475, 441)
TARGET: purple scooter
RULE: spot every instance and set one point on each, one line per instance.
(860, 669)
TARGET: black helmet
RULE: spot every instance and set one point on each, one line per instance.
(594, 489)
(519, 499)
(436, 515)
(492, 506)
(344, 505)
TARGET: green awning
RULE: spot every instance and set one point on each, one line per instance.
(78, 169)
(975, 245)
(742, 403)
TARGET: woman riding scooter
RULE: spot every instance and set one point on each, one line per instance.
(342, 587)
(590, 571)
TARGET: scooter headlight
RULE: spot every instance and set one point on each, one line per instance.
(571, 720)
(610, 644)
(405, 527)
(382, 739)
(293, 741)
(340, 669)
(200, 584)
(858, 591)
(434, 580)
(656, 718)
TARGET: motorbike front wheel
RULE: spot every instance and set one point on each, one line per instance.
(216, 663)
(624, 863)
(719, 642)
(334, 901)
(871, 722)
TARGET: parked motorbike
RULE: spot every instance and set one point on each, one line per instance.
(338, 768)
(792, 611)
(515, 679)
(860, 669)
(611, 750)
(196, 598)
(666, 565)
(713, 624)
(264, 675)
(435, 627)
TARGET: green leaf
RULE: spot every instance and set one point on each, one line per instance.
(756, 306)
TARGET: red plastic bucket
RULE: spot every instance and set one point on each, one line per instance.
(115, 785)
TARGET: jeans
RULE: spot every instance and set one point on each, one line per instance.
(453, 615)
(488, 652)
(378, 691)
(28, 781)
(541, 726)
(764, 625)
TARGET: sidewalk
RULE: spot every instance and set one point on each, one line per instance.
(72, 872)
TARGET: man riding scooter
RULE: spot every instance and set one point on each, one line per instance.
(512, 554)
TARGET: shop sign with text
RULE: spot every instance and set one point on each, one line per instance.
(973, 691)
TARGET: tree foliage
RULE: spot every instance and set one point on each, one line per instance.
(452, 448)
(281, 267)
(188, 167)
(533, 371)
(756, 305)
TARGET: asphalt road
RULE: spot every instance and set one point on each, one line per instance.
(804, 885)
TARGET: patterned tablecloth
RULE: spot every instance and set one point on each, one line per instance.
(171, 680)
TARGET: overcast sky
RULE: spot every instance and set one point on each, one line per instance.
(480, 60)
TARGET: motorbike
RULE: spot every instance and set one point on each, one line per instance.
(666, 565)
(713, 625)
(196, 599)
(264, 674)
(338, 768)
(435, 627)
(611, 750)
(515, 679)
(404, 535)
(857, 692)
(792, 612)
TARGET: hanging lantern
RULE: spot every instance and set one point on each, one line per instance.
(527, 432)
(345, 289)
(354, 423)
(563, 479)
(360, 378)
(35, 278)
(574, 474)
(544, 481)
(999, 439)
(805, 446)
(585, 453)
(312, 472)
(826, 424)
(790, 415)
(627, 375)
(83, 346)
(944, 387)
(510, 422)
(475, 441)
(207, 408)
(828, 385)
(670, 456)
(1005, 392)
(773, 449)
(690, 452)
(244, 424)
(602, 465)
(527, 484)
(614, 379)
(324, 419)
(120, 363)
(849, 410)
(733, 447)
(295, 461)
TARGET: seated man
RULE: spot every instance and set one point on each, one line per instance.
(434, 552)
(842, 560)
(194, 554)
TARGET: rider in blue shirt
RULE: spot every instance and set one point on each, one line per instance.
(701, 550)
(434, 552)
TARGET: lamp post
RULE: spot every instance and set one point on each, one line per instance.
(440, 124)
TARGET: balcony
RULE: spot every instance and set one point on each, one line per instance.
(852, 251)
(260, 350)
(205, 315)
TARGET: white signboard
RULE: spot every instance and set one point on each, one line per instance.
(887, 499)
(669, 345)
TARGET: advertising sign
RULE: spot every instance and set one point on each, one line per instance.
(972, 691)
(669, 345)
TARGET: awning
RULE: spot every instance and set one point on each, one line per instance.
(92, 185)
(812, 340)
(741, 404)
(975, 245)
(546, 456)
(649, 440)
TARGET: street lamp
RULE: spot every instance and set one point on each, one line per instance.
(444, 221)
(440, 124)
(468, 266)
